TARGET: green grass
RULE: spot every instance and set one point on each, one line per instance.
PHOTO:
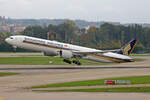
(133, 79)
(7, 74)
(138, 59)
(120, 89)
(41, 61)
(23, 54)
(147, 54)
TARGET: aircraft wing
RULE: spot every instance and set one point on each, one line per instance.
(95, 52)
(116, 50)
(82, 53)
(87, 53)
(125, 50)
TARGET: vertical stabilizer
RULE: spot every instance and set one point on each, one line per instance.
(128, 48)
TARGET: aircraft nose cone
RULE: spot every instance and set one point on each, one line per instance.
(7, 40)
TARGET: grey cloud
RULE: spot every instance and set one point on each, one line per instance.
(95, 10)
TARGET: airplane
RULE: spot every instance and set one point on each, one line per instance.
(68, 51)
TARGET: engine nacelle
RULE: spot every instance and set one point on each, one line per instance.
(50, 54)
(66, 54)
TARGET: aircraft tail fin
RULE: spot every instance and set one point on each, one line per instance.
(128, 48)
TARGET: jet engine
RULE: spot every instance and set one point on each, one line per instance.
(65, 54)
(50, 54)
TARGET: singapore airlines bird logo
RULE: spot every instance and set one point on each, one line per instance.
(126, 49)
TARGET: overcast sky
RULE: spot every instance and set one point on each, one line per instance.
(92, 10)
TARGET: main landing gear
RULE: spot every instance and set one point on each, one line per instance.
(74, 61)
(67, 61)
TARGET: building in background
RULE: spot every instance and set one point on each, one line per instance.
(2, 21)
(10, 27)
(18, 29)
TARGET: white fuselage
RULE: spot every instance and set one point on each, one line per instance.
(52, 47)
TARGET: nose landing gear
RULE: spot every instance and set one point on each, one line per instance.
(14, 48)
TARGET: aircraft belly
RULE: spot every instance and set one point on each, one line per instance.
(104, 58)
(97, 59)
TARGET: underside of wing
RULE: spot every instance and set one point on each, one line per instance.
(82, 53)
(94, 52)
(116, 50)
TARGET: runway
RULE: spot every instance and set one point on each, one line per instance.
(71, 68)
(14, 87)
(77, 96)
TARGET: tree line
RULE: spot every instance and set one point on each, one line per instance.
(106, 36)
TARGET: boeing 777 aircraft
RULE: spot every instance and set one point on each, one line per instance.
(67, 51)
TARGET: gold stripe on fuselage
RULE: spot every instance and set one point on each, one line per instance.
(45, 45)
(108, 58)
